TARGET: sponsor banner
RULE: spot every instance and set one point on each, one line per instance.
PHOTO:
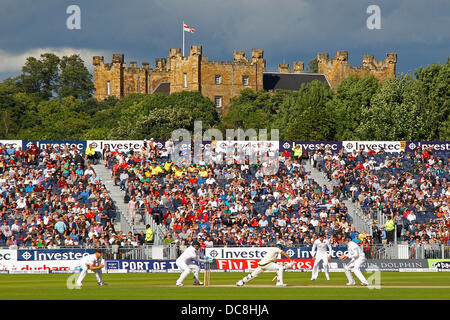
(311, 146)
(260, 252)
(305, 252)
(222, 145)
(392, 265)
(8, 255)
(435, 145)
(52, 254)
(141, 265)
(39, 266)
(388, 146)
(16, 143)
(135, 145)
(250, 264)
(119, 145)
(44, 144)
(439, 264)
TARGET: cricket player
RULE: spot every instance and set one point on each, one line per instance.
(269, 262)
(185, 263)
(320, 253)
(93, 262)
(356, 254)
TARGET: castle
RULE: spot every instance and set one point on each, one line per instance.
(222, 81)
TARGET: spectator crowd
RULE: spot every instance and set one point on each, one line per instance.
(236, 202)
(51, 197)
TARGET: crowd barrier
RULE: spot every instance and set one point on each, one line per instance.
(226, 259)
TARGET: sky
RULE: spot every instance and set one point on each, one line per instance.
(288, 30)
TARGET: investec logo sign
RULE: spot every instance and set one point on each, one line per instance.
(44, 144)
(309, 146)
(236, 253)
(52, 255)
(388, 146)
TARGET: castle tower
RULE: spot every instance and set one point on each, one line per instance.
(108, 78)
(338, 69)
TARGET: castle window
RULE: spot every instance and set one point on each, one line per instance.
(139, 84)
(218, 101)
(245, 80)
(218, 79)
(185, 80)
(108, 88)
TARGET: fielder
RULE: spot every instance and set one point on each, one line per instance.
(269, 262)
(356, 254)
(93, 262)
(320, 253)
(185, 263)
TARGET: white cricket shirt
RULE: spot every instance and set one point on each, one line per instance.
(320, 248)
(271, 256)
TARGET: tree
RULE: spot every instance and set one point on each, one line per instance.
(398, 111)
(304, 116)
(40, 77)
(256, 110)
(136, 107)
(352, 96)
(158, 124)
(75, 79)
(57, 120)
(434, 85)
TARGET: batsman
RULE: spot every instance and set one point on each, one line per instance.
(269, 262)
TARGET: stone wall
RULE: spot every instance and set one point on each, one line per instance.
(338, 69)
(201, 73)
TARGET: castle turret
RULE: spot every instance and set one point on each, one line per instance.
(338, 69)
(283, 68)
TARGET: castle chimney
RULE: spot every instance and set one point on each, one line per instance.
(239, 56)
(257, 54)
(97, 60)
(283, 68)
(174, 52)
(391, 58)
(133, 64)
(160, 63)
(322, 56)
(118, 58)
(299, 67)
(145, 66)
(342, 56)
(196, 51)
(368, 60)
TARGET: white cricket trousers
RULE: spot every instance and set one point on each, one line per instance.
(272, 266)
(315, 270)
(186, 269)
(354, 266)
(84, 270)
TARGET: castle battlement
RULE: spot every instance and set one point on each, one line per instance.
(337, 69)
(195, 72)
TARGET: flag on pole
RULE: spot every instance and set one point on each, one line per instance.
(188, 29)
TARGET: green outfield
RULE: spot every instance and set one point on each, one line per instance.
(161, 286)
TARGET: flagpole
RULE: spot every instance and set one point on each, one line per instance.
(183, 38)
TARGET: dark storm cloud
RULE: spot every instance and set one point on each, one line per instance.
(287, 30)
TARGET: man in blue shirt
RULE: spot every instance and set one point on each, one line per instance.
(60, 226)
(29, 187)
